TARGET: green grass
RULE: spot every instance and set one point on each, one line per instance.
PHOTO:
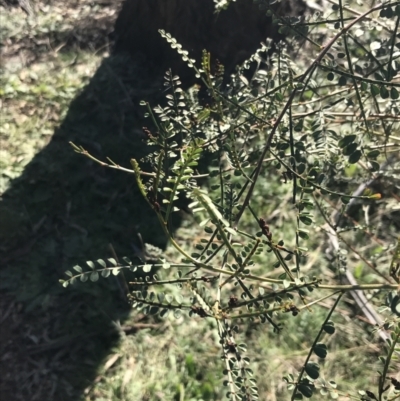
(58, 209)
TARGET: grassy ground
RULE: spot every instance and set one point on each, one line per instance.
(57, 209)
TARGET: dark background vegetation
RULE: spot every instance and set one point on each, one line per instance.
(63, 209)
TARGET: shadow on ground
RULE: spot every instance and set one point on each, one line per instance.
(65, 209)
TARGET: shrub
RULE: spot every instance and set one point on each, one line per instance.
(301, 201)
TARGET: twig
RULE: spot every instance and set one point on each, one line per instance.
(358, 295)
(303, 80)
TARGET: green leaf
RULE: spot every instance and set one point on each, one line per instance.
(78, 269)
(384, 92)
(308, 190)
(374, 90)
(154, 310)
(329, 327)
(312, 369)
(345, 199)
(347, 140)
(147, 268)
(301, 168)
(355, 157)
(306, 389)
(305, 219)
(321, 350)
(177, 313)
(364, 86)
(164, 313)
(395, 305)
(302, 249)
(375, 166)
(179, 299)
(126, 260)
(84, 277)
(90, 264)
(348, 150)
(230, 231)
(208, 230)
(394, 94)
(105, 273)
(112, 261)
(373, 154)
(101, 262)
(94, 276)
(395, 263)
(321, 178)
